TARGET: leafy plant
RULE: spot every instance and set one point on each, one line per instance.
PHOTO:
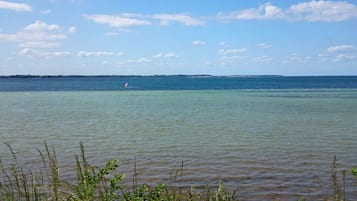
(93, 182)
(221, 193)
(144, 192)
(354, 172)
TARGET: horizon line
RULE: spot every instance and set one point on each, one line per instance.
(165, 75)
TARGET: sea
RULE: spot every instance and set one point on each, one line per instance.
(267, 137)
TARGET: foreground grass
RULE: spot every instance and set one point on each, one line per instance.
(104, 183)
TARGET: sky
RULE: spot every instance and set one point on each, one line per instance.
(147, 37)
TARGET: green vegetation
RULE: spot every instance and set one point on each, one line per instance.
(94, 183)
(354, 172)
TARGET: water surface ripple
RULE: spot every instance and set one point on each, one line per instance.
(265, 143)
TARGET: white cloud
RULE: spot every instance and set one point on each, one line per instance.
(98, 54)
(313, 11)
(45, 12)
(39, 44)
(38, 33)
(339, 53)
(28, 52)
(265, 11)
(136, 61)
(341, 48)
(230, 56)
(296, 58)
(72, 29)
(166, 55)
(156, 56)
(343, 57)
(327, 11)
(105, 62)
(198, 43)
(20, 7)
(264, 45)
(39, 26)
(336, 57)
(142, 60)
(31, 53)
(94, 54)
(119, 21)
(58, 54)
(262, 59)
(125, 20)
(166, 19)
(231, 51)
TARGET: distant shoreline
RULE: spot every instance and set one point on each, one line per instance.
(159, 75)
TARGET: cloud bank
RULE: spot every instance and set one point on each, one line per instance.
(19, 7)
(313, 11)
(119, 21)
(125, 20)
(38, 34)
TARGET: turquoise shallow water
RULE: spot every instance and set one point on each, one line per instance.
(261, 142)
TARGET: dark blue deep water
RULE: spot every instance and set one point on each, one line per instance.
(99, 83)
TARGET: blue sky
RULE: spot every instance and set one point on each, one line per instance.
(145, 37)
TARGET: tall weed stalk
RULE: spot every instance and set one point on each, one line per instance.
(104, 183)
